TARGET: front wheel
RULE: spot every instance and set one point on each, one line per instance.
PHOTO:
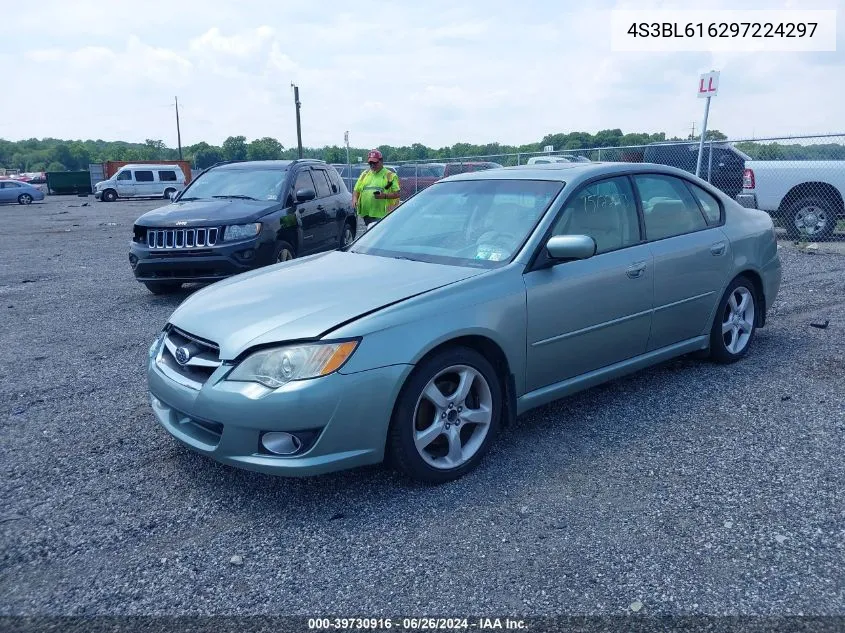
(446, 417)
(284, 253)
(735, 323)
(24, 198)
(109, 195)
(348, 235)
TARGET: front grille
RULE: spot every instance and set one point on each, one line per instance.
(203, 358)
(183, 238)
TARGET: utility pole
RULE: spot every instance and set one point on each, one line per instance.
(178, 131)
(298, 123)
(348, 164)
(692, 136)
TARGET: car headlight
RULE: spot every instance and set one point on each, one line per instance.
(241, 231)
(156, 344)
(280, 365)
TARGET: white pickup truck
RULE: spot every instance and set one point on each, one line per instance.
(806, 195)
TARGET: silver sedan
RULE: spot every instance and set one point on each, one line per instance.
(481, 297)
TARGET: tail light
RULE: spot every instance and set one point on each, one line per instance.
(748, 179)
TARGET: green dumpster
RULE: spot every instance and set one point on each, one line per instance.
(69, 182)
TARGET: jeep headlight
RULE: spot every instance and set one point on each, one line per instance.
(241, 231)
(280, 365)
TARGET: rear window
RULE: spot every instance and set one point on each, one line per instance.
(167, 176)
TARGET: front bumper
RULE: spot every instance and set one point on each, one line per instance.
(199, 265)
(225, 420)
(747, 200)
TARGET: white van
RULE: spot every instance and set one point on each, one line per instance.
(546, 160)
(141, 181)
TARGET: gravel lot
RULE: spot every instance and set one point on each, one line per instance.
(690, 488)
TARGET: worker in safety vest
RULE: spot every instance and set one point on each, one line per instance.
(377, 191)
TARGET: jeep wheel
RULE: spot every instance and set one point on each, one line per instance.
(163, 287)
(284, 253)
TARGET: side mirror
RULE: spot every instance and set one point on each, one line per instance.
(304, 195)
(562, 247)
(173, 195)
(371, 225)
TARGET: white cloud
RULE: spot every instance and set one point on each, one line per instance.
(434, 72)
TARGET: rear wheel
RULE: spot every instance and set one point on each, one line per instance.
(812, 218)
(168, 193)
(163, 287)
(735, 323)
(446, 417)
(109, 195)
(25, 198)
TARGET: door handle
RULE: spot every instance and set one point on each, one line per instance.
(718, 248)
(636, 270)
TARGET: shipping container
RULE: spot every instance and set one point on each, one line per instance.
(68, 182)
(111, 167)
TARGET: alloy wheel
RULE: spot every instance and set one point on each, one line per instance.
(811, 220)
(738, 320)
(452, 417)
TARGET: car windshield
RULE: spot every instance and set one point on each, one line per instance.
(480, 223)
(249, 184)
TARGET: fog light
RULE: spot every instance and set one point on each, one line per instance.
(280, 443)
(247, 254)
(133, 261)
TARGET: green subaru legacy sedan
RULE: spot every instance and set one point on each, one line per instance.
(479, 298)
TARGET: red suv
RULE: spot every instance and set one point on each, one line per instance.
(416, 177)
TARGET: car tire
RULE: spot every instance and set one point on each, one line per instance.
(168, 193)
(347, 234)
(284, 252)
(464, 426)
(163, 287)
(815, 210)
(24, 198)
(735, 323)
(109, 195)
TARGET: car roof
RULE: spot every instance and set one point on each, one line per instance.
(268, 164)
(567, 172)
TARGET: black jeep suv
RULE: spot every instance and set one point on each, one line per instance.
(238, 216)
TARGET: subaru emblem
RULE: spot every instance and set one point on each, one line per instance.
(183, 355)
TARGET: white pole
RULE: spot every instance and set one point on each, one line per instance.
(703, 134)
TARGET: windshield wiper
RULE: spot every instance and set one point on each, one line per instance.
(238, 196)
(187, 199)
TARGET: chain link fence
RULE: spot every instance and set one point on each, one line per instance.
(799, 181)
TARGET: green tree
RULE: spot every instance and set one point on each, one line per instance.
(266, 148)
(235, 148)
(54, 166)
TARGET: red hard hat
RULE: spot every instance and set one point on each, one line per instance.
(374, 155)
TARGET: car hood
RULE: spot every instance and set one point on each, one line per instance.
(305, 298)
(205, 212)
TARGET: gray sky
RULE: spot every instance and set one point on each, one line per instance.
(389, 72)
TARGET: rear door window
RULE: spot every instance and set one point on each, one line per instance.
(669, 208)
(321, 180)
(167, 176)
(711, 207)
(144, 176)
